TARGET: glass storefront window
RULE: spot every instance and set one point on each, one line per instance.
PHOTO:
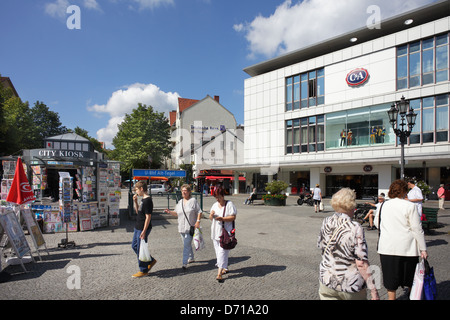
(360, 127)
(370, 126)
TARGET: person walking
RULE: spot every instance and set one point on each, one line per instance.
(344, 268)
(222, 214)
(317, 197)
(189, 215)
(143, 226)
(441, 196)
(415, 195)
(401, 239)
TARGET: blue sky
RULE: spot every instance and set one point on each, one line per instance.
(154, 51)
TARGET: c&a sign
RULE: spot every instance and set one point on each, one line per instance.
(357, 77)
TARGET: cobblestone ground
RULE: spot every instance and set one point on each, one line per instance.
(276, 259)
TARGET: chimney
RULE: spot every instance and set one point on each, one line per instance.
(216, 98)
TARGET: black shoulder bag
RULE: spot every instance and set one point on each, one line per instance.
(192, 229)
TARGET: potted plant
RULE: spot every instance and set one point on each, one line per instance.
(275, 197)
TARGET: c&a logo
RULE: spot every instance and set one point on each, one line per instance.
(357, 77)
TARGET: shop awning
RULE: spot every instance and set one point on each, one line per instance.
(220, 178)
(151, 178)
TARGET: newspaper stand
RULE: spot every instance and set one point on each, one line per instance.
(66, 207)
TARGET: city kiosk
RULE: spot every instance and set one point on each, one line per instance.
(95, 184)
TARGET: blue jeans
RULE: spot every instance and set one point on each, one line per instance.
(187, 247)
(135, 245)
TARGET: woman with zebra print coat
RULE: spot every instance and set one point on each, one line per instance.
(344, 269)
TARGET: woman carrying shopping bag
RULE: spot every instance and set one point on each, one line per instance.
(401, 240)
(189, 215)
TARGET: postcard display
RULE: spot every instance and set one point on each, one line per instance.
(109, 195)
(9, 168)
(39, 179)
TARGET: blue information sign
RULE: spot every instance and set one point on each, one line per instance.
(159, 173)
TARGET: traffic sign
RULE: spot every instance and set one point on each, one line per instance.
(159, 173)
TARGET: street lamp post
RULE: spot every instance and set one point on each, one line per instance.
(402, 129)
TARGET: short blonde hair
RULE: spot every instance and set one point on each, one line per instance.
(344, 200)
(186, 186)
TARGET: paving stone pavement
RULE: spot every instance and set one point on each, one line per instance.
(276, 259)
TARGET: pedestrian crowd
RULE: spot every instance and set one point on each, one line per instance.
(344, 270)
(187, 210)
(344, 266)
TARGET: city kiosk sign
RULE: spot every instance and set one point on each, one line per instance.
(49, 153)
(55, 154)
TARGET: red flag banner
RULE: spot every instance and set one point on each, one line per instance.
(20, 191)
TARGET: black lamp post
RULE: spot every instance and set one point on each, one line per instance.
(402, 129)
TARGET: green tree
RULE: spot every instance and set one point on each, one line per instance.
(142, 133)
(17, 126)
(84, 133)
(46, 123)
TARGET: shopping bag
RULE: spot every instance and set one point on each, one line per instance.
(321, 206)
(429, 283)
(417, 287)
(199, 243)
(144, 252)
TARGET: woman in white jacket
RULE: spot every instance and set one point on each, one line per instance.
(401, 240)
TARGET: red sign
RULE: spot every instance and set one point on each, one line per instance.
(20, 191)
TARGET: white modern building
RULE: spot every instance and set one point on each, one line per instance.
(319, 114)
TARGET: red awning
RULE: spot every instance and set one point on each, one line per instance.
(151, 178)
(221, 178)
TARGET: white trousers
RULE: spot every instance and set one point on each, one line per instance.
(441, 203)
(221, 255)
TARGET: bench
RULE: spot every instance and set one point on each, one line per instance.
(431, 218)
(256, 196)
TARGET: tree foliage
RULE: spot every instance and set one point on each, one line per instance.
(22, 127)
(142, 133)
(84, 133)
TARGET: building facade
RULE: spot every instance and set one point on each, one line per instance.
(319, 114)
(205, 134)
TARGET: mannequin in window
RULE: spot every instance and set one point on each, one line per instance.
(373, 133)
(379, 134)
(349, 137)
(343, 135)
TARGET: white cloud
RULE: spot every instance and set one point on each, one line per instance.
(151, 4)
(124, 101)
(293, 26)
(57, 9)
(91, 4)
